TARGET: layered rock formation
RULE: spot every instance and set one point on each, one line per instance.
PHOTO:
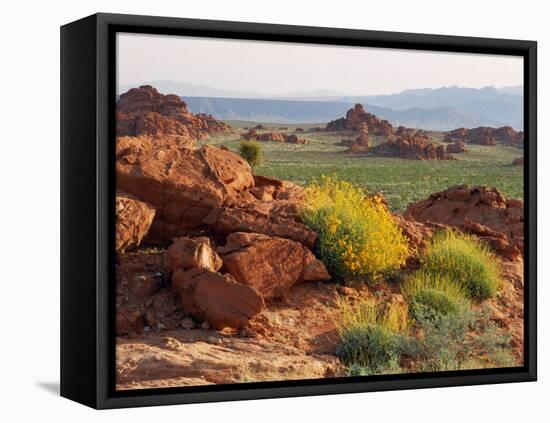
(356, 117)
(485, 135)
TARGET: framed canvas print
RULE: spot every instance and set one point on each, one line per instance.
(257, 211)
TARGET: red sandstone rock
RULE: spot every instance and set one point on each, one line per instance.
(485, 135)
(411, 147)
(261, 218)
(456, 147)
(183, 185)
(312, 268)
(477, 209)
(252, 134)
(188, 253)
(133, 219)
(145, 111)
(270, 265)
(356, 117)
(217, 298)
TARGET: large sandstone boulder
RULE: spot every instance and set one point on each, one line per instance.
(217, 298)
(476, 209)
(183, 185)
(270, 265)
(133, 219)
(187, 253)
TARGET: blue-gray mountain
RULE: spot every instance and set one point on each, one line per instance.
(443, 108)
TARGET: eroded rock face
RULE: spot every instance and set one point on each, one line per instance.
(357, 117)
(183, 185)
(145, 111)
(270, 265)
(133, 219)
(479, 210)
(484, 135)
(189, 253)
(412, 147)
(217, 298)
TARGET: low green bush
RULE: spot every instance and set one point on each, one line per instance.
(251, 151)
(437, 293)
(465, 262)
(369, 337)
(466, 340)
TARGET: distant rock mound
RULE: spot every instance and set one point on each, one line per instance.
(358, 116)
(456, 147)
(412, 147)
(484, 135)
(145, 111)
(253, 134)
(479, 210)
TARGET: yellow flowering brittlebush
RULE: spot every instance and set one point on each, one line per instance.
(357, 235)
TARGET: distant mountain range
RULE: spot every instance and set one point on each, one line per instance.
(443, 108)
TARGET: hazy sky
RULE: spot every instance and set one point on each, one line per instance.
(282, 68)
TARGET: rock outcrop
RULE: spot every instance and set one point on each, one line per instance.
(484, 135)
(133, 219)
(183, 185)
(145, 111)
(456, 147)
(412, 147)
(217, 298)
(479, 210)
(356, 117)
(270, 265)
(253, 134)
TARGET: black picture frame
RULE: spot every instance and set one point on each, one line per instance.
(87, 208)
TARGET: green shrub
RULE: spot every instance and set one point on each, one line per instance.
(466, 340)
(437, 293)
(369, 337)
(357, 235)
(463, 261)
(251, 151)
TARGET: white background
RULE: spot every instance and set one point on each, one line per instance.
(29, 157)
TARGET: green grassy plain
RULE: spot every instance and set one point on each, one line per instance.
(400, 181)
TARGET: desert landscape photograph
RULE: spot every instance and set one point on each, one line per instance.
(290, 212)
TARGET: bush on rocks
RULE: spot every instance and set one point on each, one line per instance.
(464, 261)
